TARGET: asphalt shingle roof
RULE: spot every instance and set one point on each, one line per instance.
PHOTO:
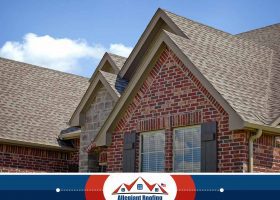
(36, 102)
(244, 72)
(268, 36)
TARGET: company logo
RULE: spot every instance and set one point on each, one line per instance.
(145, 187)
(140, 189)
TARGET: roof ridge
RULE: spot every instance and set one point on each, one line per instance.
(240, 37)
(43, 68)
(167, 11)
(260, 28)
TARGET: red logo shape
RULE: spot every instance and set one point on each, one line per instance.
(142, 184)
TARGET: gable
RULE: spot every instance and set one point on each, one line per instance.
(107, 67)
(159, 22)
(233, 70)
(161, 42)
(89, 95)
(170, 92)
(110, 63)
(94, 113)
(106, 73)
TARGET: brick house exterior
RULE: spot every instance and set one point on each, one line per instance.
(14, 158)
(189, 98)
(163, 103)
(187, 78)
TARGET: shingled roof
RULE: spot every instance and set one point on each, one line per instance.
(241, 71)
(36, 102)
(245, 72)
(268, 36)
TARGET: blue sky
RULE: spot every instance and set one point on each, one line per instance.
(72, 35)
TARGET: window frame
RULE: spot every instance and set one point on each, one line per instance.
(140, 148)
(173, 144)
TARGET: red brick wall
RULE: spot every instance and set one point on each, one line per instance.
(266, 155)
(28, 159)
(171, 97)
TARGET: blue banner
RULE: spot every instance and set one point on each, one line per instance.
(139, 186)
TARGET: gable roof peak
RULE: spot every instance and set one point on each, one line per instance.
(115, 61)
(114, 55)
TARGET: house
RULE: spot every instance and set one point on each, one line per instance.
(189, 98)
(35, 104)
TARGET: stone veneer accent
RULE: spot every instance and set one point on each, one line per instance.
(95, 116)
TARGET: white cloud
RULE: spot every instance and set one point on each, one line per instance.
(120, 49)
(62, 54)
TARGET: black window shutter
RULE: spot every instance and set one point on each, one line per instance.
(209, 147)
(129, 151)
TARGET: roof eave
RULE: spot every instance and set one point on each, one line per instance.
(31, 144)
(270, 129)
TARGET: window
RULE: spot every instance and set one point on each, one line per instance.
(152, 151)
(187, 149)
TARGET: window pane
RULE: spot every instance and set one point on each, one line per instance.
(160, 161)
(152, 152)
(196, 138)
(145, 162)
(179, 139)
(187, 149)
(152, 162)
(188, 139)
(145, 140)
(179, 160)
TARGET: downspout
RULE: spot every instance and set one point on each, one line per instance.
(251, 149)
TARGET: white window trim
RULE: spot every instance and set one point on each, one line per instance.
(173, 143)
(140, 146)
